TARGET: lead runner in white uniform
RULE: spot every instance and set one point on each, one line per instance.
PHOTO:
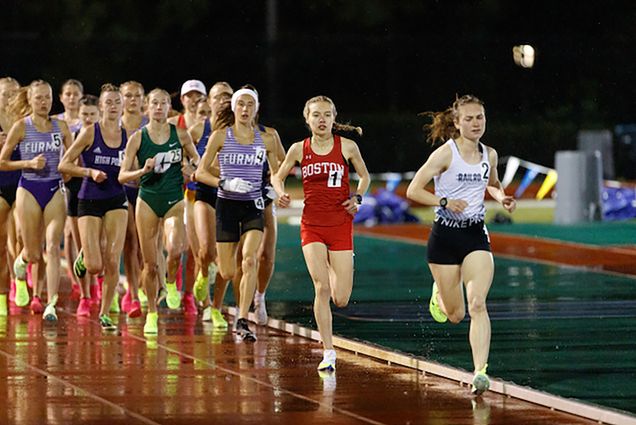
(459, 248)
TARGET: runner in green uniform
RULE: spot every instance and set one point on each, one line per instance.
(161, 148)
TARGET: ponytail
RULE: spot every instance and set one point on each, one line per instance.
(442, 126)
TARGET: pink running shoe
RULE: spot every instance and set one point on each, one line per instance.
(125, 302)
(12, 291)
(135, 309)
(29, 276)
(84, 308)
(36, 305)
(189, 305)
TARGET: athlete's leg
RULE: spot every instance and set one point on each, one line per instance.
(451, 295)
(131, 254)
(54, 219)
(341, 276)
(5, 213)
(251, 241)
(114, 228)
(148, 231)
(267, 250)
(477, 271)
(317, 260)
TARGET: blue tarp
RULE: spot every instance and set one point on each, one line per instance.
(384, 207)
(619, 203)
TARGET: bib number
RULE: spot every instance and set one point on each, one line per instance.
(335, 178)
(259, 203)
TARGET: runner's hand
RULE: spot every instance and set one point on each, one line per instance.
(236, 184)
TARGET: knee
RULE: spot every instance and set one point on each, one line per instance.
(249, 262)
(476, 305)
(341, 300)
(111, 266)
(93, 265)
(322, 290)
(456, 316)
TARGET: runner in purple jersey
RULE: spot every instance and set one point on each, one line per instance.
(39, 202)
(103, 207)
(241, 149)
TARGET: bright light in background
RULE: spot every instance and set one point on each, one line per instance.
(523, 55)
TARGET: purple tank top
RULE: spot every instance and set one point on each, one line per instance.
(35, 143)
(11, 178)
(104, 158)
(74, 128)
(244, 161)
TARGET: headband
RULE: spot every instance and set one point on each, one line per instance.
(241, 92)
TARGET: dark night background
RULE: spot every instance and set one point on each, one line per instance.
(382, 62)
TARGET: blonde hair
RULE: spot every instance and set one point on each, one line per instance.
(442, 126)
(337, 127)
(132, 83)
(9, 80)
(157, 91)
(72, 82)
(19, 105)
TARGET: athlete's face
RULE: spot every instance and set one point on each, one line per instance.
(70, 96)
(7, 91)
(203, 111)
(219, 95)
(471, 121)
(89, 114)
(133, 98)
(320, 118)
(245, 109)
(158, 106)
(41, 99)
(110, 105)
(190, 99)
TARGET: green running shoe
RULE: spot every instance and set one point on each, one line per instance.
(434, 308)
(481, 383)
(107, 323)
(173, 299)
(151, 327)
(200, 288)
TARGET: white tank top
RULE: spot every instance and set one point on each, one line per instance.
(463, 181)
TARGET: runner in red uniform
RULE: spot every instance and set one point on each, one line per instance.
(327, 220)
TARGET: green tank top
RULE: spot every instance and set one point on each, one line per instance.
(167, 176)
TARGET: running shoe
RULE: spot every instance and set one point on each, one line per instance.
(36, 305)
(207, 314)
(114, 305)
(328, 362)
(218, 321)
(151, 327)
(4, 305)
(78, 265)
(481, 383)
(259, 309)
(107, 323)
(84, 308)
(189, 305)
(173, 297)
(434, 307)
(20, 268)
(135, 309)
(143, 299)
(243, 330)
(200, 287)
(49, 313)
(21, 293)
